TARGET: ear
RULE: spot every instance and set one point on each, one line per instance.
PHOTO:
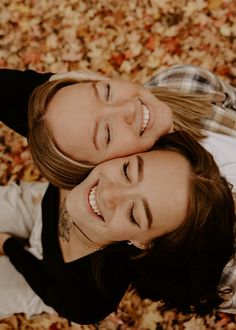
(140, 244)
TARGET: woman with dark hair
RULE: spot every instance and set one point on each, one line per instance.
(154, 220)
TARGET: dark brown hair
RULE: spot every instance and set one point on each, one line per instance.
(183, 267)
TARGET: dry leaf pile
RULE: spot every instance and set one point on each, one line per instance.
(133, 39)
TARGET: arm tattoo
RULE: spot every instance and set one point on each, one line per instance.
(65, 223)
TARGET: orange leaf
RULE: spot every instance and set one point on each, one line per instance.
(118, 59)
(172, 46)
(223, 70)
(151, 43)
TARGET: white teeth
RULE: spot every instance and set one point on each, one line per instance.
(145, 119)
(92, 201)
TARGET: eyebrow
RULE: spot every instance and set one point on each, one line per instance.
(95, 89)
(95, 134)
(148, 213)
(140, 164)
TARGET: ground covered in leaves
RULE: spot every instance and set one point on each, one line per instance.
(133, 39)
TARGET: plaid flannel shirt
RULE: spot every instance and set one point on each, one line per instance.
(193, 79)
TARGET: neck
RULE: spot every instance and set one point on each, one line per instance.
(70, 231)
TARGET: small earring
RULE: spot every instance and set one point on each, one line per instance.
(129, 243)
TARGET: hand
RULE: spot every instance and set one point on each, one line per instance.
(80, 75)
(3, 238)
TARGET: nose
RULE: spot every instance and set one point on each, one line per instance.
(111, 196)
(127, 112)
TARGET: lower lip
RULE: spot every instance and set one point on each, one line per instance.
(90, 210)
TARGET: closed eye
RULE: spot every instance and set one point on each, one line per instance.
(108, 91)
(108, 134)
(131, 216)
(125, 167)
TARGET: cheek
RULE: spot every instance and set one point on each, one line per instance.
(126, 90)
(147, 142)
(119, 229)
(167, 117)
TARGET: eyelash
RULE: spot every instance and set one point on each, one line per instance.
(125, 166)
(108, 90)
(108, 134)
(131, 216)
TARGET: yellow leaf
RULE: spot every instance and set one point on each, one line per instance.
(214, 4)
(31, 174)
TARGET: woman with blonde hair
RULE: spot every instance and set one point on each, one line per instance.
(85, 123)
(79, 119)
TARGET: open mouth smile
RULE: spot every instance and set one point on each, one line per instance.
(145, 118)
(93, 202)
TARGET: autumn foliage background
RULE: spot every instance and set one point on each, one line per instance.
(132, 39)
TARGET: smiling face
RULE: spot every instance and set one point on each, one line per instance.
(133, 198)
(101, 120)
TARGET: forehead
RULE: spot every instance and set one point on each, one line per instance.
(67, 113)
(80, 89)
(165, 162)
(75, 90)
(166, 182)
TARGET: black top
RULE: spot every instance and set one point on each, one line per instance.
(16, 87)
(69, 288)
